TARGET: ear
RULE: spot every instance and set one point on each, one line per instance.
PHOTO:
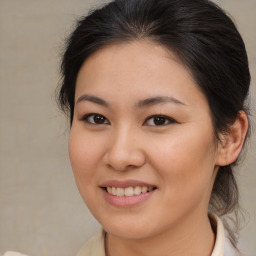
(231, 144)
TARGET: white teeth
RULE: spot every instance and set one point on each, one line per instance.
(129, 191)
(144, 190)
(119, 191)
(113, 191)
(137, 190)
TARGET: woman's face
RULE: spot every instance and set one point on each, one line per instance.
(142, 145)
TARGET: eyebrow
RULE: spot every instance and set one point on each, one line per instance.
(93, 99)
(158, 100)
(142, 103)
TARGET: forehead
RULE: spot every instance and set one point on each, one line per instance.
(124, 55)
(136, 68)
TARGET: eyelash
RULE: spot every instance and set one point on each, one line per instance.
(164, 120)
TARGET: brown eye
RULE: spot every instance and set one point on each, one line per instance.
(99, 119)
(159, 120)
(96, 119)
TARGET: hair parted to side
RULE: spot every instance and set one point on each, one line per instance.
(201, 35)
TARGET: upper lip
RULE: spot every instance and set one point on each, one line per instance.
(125, 183)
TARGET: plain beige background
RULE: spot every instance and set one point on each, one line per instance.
(41, 212)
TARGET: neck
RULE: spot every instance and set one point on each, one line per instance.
(193, 237)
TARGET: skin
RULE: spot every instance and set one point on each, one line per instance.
(180, 158)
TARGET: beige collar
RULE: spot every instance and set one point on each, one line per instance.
(220, 235)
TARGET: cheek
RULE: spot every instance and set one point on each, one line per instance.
(185, 161)
(84, 154)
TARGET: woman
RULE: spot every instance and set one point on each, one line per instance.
(156, 92)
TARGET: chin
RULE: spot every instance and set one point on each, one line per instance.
(128, 234)
(128, 229)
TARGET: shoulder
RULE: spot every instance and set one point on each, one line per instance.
(95, 246)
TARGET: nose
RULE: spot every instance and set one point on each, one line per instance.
(124, 151)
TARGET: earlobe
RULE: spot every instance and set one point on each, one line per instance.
(232, 143)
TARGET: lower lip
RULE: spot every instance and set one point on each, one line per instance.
(127, 201)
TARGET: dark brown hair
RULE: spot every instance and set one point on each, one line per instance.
(202, 36)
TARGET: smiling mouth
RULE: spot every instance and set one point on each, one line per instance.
(129, 191)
